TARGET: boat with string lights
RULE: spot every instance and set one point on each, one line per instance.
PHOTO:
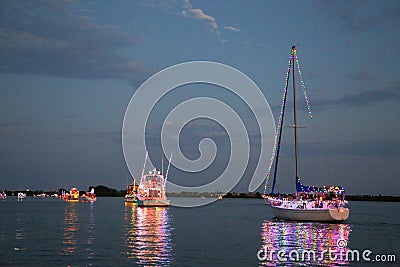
(72, 196)
(89, 196)
(151, 191)
(131, 190)
(309, 203)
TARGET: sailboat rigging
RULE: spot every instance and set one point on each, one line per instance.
(309, 203)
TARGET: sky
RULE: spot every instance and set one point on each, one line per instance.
(70, 68)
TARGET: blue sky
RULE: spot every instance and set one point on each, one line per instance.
(69, 68)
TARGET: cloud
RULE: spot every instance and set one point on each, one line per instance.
(232, 29)
(114, 137)
(199, 14)
(383, 148)
(365, 76)
(56, 39)
(361, 99)
(187, 10)
(361, 14)
(364, 98)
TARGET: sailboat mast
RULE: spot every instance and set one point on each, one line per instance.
(296, 146)
(166, 174)
(144, 165)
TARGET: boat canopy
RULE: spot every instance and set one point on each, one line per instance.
(323, 189)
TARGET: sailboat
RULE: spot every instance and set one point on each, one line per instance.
(151, 191)
(131, 190)
(89, 196)
(309, 203)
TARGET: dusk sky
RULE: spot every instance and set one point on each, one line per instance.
(69, 69)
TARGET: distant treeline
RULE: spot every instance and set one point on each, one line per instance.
(243, 195)
(373, 198)
(100, 190)
(104, 191)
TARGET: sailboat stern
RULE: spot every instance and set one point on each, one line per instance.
(339, 214)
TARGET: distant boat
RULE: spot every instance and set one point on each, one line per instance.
(131, 190)
(151, 191)
(73, 195)
(310, 203)
(21, 196)
(89, 196)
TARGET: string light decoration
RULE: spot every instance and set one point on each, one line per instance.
(293, 56)
(278, 128)
(303, 85)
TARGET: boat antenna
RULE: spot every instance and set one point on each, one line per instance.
(169, 164)
(144, 164)
(162, 164)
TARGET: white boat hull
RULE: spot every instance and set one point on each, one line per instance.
(322, 215)
(153, 202)
(89, 199)
(131, 199)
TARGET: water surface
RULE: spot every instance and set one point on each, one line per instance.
(43, 232)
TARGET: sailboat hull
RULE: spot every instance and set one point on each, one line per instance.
(131, 198)
(153, 202)
(322, 215)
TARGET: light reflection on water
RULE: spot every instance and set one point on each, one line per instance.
(19, 233)
(148, 235)
(70, 225)
(78, 235)
(90, 231)
(303, 237)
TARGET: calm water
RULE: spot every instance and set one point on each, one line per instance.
(50, 232)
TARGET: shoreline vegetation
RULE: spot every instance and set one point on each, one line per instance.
(104, 191)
